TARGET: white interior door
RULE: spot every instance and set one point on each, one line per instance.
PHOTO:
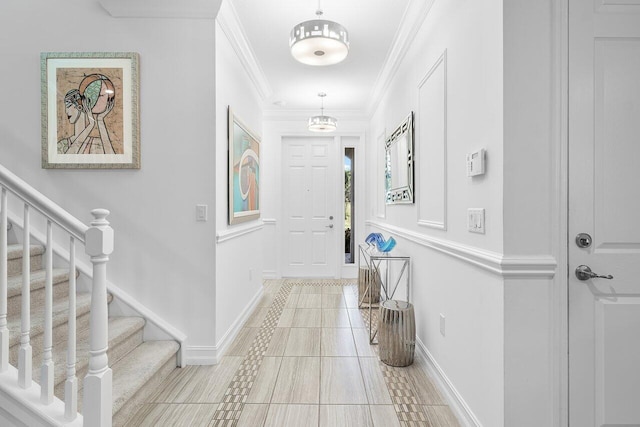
(309, 207)
(604, 202)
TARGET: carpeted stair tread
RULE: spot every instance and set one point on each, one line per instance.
(120, 328)
(14, 283)
(15, 251)
(14, 259)
(60, 316)
(132, 372)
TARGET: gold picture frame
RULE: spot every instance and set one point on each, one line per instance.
(244, 172)
(90, 110)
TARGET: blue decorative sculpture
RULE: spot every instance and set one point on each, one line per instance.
(382, 244)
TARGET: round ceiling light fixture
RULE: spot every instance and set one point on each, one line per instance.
(319, 42)
(322, 123)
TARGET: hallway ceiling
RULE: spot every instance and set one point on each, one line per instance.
(372, 26)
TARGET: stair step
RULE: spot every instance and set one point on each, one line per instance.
(138, 374)
(14, 258)
(60, 325)
(138, 367)
(125, 334)
(60, 315)
(60, 279)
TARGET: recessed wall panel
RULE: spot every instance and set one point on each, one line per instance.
(431, 147)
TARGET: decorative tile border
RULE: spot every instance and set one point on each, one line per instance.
(410, 413)
(228, 412)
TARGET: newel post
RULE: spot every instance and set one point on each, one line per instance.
(97, 402)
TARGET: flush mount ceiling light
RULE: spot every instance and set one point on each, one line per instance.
(319, 42)
(322, 123)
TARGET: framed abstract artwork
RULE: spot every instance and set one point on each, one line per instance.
(244, 172)
(90, 114)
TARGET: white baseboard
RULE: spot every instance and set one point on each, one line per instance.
(269, 274)
(200, 355)
(457, 404)
(223, 344)
(211, 355)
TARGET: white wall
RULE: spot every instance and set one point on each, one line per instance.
(499, 291)
(163, 257)
(240, 259)
(470, 296)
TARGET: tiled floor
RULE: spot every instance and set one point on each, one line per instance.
(302, 359)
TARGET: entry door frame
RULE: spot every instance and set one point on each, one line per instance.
(342, 270)
(332, 266)
(560, 135)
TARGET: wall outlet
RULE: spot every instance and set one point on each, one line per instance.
(442, 324)
(475, 220)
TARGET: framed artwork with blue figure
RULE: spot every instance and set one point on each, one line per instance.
(90, 110)
(244, 172)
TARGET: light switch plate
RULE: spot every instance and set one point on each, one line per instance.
(201, 213)
(475, 220)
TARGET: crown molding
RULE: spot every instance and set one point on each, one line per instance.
(232, 28)
(201, 9)
(414, 15)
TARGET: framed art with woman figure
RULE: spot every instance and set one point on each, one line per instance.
(90, 110)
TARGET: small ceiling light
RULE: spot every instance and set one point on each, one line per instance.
(322, 123)
(319, 42)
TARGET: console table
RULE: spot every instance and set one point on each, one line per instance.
(386, 270)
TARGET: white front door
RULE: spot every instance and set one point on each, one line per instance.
(309, 207)
(604, 202)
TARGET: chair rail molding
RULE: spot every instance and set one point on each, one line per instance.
(507, 266)
(232, 233)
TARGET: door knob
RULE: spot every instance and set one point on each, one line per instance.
(329, 226)
(583, 272)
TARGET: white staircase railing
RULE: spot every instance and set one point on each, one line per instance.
(98, 241)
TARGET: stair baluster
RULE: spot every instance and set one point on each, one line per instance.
(4, 273)
(71, 383)
(25, 354)
(46, 374)
(97, 399)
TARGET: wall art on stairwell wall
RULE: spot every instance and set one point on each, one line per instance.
(90, 110)
(244, 172)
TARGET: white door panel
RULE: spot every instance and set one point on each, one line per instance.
(310, 197)
(604, 201)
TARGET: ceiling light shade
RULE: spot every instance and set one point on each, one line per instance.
(319, 42)
(322, 123)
